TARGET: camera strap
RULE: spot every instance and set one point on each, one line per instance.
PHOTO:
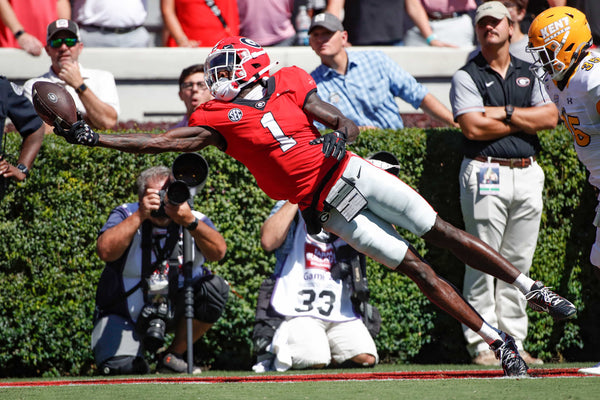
(217, 12)
(168, 254)
(170, 248)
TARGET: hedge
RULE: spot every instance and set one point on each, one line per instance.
(49, 267)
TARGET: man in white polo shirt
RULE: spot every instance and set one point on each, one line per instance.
(94, 91)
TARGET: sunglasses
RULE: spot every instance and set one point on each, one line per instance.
(56, 43)
(189, 85)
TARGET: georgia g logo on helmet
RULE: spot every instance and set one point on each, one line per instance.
(250, 42)
(234, 63)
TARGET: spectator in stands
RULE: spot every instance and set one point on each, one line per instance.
(192, 91)
(363, 85)
(14, 105)
(500, 106)
(447, 19)
(94, 91)
(519, 39)
(23, 22)
(379, 22)
(268, 22)
(321, 325)
(371, 22)
(192, 23)
(112, 23)
(591, 9)
(534, 7)
(137, 278)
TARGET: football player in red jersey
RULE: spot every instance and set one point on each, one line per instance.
(266, 122)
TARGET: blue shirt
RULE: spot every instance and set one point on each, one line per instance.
(366, 93)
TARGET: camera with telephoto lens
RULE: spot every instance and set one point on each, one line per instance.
(152, 322)
(177, 193)
(190, 171)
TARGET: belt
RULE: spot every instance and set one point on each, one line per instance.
(508, 162)
(109, 29)
(437, 15)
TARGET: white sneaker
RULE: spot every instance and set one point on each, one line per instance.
(595, 370)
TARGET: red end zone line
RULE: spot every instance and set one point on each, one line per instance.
(366, 376)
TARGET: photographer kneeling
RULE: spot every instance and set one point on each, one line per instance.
(140, 294)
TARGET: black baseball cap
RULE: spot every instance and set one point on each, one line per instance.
(327, 21)
(62, 25)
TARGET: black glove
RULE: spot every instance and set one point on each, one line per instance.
(334, 144)
(79, 133)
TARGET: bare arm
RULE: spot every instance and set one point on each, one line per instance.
(26, 41)
(113, 242)
(99, 114)
(275, 229)
(184, 139)
(63, 9)
(31, 146)
(533, 119)
(210, 242)
(330, 116)
(490, 125)
(418, 15)
(335, 7)
(167, 8)
(432, 106)
(29, 150)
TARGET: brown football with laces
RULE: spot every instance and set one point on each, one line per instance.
(52, 103)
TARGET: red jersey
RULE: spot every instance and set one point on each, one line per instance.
(200, 23)
(34, 15)
(271, 137)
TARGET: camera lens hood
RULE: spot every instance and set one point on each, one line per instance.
(192, 169)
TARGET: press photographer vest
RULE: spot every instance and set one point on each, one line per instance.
(111, 296)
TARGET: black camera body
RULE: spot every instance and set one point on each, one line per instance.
(152, 323)
(177, 193)
(190, 171)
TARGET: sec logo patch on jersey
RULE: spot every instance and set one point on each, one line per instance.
(235, 114)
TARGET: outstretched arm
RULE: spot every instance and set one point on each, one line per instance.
(184, 139)
(330, 116)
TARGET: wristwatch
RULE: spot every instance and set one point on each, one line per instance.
(82, 88)
(509, 112)
(23, 168)
(193, 225)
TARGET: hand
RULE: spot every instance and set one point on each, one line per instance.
(334, 144)
(71, 74)
(79, 133)
(30, 44)
(181, 214)
(150, 202)
(439, 43)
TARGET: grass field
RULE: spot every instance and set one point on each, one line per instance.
(547, 388)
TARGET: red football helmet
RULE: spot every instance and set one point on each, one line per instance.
(232, 64)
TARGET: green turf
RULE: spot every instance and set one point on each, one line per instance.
(460, 389)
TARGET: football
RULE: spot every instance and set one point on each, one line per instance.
(52, 103)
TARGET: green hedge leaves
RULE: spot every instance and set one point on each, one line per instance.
(49, 267)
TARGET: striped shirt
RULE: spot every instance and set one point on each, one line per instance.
(366, 93)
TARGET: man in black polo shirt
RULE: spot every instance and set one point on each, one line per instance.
(500, 106)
